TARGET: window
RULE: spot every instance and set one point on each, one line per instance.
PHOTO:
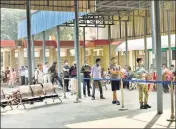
(173, 54)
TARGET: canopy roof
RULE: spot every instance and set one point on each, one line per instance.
(44, 20)
(52, 5)
(138, 44)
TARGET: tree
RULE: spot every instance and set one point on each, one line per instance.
(9, 23)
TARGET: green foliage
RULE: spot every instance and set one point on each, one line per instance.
(9, 23)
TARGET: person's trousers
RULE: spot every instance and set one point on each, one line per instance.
(66, 82)
(74, 84)
(26, 81)
(143, 93)
(165, 87)
(97, 82)
(57, 78)
(22, 80)
(11, 83)
(86, 82)
(46, 78)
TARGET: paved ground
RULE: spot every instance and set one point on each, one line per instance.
(88, 113)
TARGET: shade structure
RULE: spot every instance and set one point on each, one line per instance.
(52, 5)
(138, 44)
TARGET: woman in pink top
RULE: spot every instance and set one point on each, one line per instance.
(12, 78)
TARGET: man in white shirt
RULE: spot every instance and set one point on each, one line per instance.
(96, 74)
(46, 75)
(39, 74)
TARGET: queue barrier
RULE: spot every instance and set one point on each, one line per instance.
(172, 117)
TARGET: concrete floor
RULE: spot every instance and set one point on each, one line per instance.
(88, 113)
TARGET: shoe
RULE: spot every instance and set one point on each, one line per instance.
(148, 106)
(68, 90)
(93, 98)
(89, 95)
(118, 103)
(102, 97)
(143, 107)
(114, 102)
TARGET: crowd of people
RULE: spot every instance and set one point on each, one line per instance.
(48, 74)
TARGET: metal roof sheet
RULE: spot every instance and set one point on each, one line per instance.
(44, 20)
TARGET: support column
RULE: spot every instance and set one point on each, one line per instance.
(5, 59)
(92, 61)
(169, 38)
(156, 9)
(51, 55)
(145, 41)
(41, 56)
(20, 57)
(106, 57)
(44, 48)
(76, 42)
(33, 56)
(69, 57)
(28, 11)
(153, 35)
(126, 42)
(135, 56)
(84, 46)
(109, 39)
(58, 50)
(12, 58)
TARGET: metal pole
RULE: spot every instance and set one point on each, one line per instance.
(28, 14)
(84, 42)
(109, 39)
(135, 58)
(58, 50)
(158, 57)
(169, 37)
(44, 48)
(172, 117)
(126, 42)
(76, 42)
(145, 41)
(122, 96)
(153, 34)
(33, 55)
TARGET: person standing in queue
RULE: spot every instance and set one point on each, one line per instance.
(53, 74)
(73, 75)
(46, 75)
(38, 74)
(141, 74)
(22, 75)
(86, 70)
(96, 75)
(66, 75)
(115, 84)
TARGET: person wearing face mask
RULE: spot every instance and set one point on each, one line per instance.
(66, 74)
(73, 75)
(96, 74)
(86, 70)
(141, 74)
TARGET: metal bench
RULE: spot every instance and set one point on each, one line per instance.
(49, 91)
(37, 92)
(5, 101)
